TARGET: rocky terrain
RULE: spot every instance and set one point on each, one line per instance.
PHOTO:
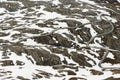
(59, 39)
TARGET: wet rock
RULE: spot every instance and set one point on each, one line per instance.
(80, 59)
(96, 72)
(43, 57)
(7, 63)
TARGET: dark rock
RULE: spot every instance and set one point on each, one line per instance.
(107, 1)
(67, 1)
(27, 30)
(43, 57)
(77, 78)
(80, 59)
(22, 78)
(61, 41)
(112, 61)
(65, 61)
(59, 75)
(112, 40)
(45, 40)
(19, 62)
(115, 71)
(112, 78)
(69, 72)
(37, 76)
(7, 63)
(84, 34)
(44, 73)
(3, 34)
(114, 43)
(10, 6)
(58, 50)
(71, 23)
(96, 72)
(58, 67)
(17, 49)
(69, 36)
(65, 66)
(73, 78)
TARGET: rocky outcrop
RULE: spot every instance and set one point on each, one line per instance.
(10, 6)
(43, 57)
(96, 72)
(7, 63)
(80, 59)
(112, 78)
(64, 51)
(55, 39)
(58, 50)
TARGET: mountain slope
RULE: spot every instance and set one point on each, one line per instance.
(59, 39)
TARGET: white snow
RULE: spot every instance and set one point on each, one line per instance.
(29, 69)
(56, 2)
(118, 1)
(88, 1)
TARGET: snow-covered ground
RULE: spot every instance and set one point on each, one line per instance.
(45, 17)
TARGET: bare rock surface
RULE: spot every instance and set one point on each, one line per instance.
(59, 39)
